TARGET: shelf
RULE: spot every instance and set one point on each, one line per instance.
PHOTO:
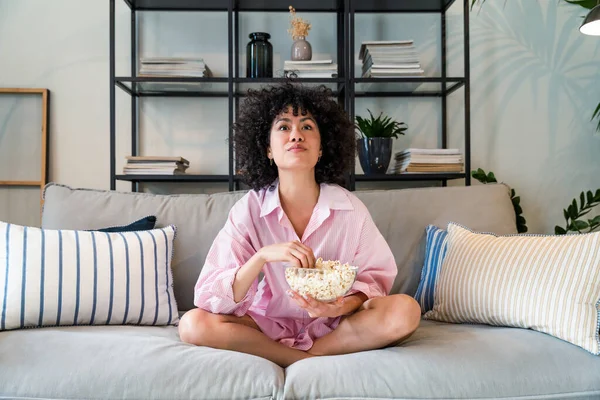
(243, 84)
(173, 178)
(179, 87)
(414, 176)
(282, 5)
(405, 87)
(402, 5)
(239, 5)
(225, 178)
(208, 87)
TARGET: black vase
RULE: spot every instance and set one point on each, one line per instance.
(259, 56)
(374, 154)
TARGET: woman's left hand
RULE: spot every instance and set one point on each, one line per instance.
(316, 308)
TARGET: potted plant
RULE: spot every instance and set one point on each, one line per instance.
(375, 144)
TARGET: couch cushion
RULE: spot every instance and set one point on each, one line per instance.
(125, 362)
(198, 219)
(401, 216)
(550, 283)
(435, 250)
(454, 361)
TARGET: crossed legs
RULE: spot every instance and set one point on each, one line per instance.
(378, 323)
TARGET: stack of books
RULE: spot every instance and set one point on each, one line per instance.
(155, 165)
(428, 160)
(310, 69)
(174, 67)
(389, 59)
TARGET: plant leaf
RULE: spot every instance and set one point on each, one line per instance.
(580, 225)
(518, 209)
(491, 177)
(572, 211)
(581, 214)
(582, 199)
(589, 4)
(590, 196)
(566, 214)
(516, 199)
(559, 230)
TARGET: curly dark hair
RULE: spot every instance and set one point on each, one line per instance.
(252, 132)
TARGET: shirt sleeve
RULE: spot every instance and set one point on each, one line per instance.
(376, 264)
(230, 250)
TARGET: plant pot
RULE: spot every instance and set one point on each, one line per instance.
(301, 50)
(374, 154)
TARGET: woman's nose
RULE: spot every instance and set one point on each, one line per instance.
(296, 135)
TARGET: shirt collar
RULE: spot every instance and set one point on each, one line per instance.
(331, 197)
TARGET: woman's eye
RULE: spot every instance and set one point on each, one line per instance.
(307, 127)
(283, 128)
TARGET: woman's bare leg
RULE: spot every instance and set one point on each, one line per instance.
(229, 332)
(379, 322)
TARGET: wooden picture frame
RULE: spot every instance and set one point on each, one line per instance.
(45, 97)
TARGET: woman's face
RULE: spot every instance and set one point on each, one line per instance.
(295, 141)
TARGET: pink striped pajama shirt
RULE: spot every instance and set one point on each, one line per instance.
(340, 228)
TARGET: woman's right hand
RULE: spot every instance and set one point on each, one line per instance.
(295, 253)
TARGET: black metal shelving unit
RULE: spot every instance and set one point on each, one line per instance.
(346, 86)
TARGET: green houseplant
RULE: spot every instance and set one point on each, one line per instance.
(375, 141)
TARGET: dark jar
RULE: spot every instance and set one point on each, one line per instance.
(259, 56)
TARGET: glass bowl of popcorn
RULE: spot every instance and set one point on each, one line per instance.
(326, 282)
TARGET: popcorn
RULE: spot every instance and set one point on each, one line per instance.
(327, 281)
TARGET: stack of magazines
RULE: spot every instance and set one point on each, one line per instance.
(389, 59)
(310, 69)
(155, 165)
(174, 67)
(429, 160)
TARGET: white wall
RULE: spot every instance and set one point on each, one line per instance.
(535, 83)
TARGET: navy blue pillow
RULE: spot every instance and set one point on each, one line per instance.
(143, 224)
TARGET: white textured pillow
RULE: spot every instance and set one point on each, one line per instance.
(547, 283)
(65, 277)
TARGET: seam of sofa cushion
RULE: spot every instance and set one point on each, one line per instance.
(142, 194)
(64, 398)
(571, 395)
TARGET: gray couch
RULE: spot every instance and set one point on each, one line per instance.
(439, 361)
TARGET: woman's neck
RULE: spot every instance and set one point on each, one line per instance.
(298, 190)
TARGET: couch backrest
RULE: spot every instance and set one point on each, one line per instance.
(400, 215)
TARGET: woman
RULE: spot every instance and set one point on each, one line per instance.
(294, 146)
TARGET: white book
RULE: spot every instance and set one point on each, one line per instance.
(366, 47)
(309, 62)
(400, 73)
(386, 42)
(173, 67)
(407, 161)
(413, 150)
(171, 60)
(152, 172)
(305, 74)
(332, 67)
(415, 66)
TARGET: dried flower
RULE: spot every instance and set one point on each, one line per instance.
(299, 27)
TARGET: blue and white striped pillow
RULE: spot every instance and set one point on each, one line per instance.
(66, 277)
(435, 251)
